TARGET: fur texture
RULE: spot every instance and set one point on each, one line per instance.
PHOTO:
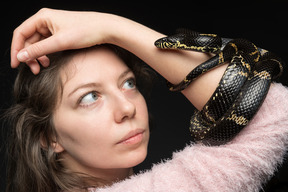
(243, 164)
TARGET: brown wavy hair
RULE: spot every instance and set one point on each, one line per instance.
(32, 163)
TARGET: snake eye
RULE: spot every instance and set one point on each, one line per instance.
(175, 38)
(164, 39)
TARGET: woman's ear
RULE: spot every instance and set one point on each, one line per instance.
(57, 147)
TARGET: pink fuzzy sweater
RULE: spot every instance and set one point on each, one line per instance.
(243, 164)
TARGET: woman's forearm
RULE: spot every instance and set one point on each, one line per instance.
(171, 64)
(51, 30)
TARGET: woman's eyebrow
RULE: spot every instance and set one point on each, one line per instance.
(124, 74)
(92, 84)
(82, 86)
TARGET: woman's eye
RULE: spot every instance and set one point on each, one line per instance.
(129, 84)
(89, 98)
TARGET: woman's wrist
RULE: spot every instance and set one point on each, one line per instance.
(111, 27)
(129, 34)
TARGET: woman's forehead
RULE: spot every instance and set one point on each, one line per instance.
(93, 63)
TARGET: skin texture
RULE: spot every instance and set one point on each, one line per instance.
(99, 110)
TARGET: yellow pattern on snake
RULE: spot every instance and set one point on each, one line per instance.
(241, 90)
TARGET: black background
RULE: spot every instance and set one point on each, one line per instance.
(264, 23)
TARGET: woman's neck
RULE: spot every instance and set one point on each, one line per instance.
(95, 177)
(111, 176)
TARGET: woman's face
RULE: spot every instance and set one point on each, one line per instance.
(101, 119)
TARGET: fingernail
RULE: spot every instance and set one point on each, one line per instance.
(23, 56)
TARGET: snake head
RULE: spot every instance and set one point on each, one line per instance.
(161, 43)
(192, 41)
(169, 42)
(182, 37)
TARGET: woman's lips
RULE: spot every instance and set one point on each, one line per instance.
(133, 137)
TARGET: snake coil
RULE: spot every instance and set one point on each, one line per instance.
(240, 92)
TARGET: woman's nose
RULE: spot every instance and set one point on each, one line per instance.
(124, 108)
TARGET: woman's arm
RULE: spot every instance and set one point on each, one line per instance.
(54, 30)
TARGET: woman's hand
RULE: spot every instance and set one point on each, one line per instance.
(51, 30)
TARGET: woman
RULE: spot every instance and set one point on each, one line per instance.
(70, 138)
(72, 110)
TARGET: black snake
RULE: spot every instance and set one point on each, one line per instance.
(241, 90)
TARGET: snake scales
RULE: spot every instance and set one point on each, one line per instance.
(240, 92)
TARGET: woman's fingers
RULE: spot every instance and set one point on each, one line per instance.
(44, 61)
(17, 44)
(50, 31)
(25, 54)
(29, 32)
(34, 66)
(38, 49)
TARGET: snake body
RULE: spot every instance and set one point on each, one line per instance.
(241, 90)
